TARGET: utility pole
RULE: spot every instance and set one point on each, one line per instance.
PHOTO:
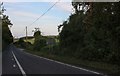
(26, 33)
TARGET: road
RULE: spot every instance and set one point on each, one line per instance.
(17, 62)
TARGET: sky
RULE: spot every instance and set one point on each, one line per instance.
(22, 14)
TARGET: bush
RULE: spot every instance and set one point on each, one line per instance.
(21, 43)
(51, 49)
(39, 44)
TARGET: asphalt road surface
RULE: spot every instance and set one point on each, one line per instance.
(17, 62)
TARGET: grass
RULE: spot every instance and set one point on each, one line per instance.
(30, 40)
(96, 66)
(57, 40)
(92, 65)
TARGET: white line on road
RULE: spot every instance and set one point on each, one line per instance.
(68, 65)
(14, 65)
(20, 67)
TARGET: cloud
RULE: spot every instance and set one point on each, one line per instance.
(25, 14)
(29, 15)
(34, 0)
(60, 0)
(65, 6)
(22, 15)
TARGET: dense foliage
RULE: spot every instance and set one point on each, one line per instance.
(7, 37)
(92, 32)
(40, 42)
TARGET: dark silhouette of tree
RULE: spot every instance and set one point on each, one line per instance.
(92, 32)
(7, 37)
(40, 42)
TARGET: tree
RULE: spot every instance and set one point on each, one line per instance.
(7, 37)
(92, 32)
(39, 44)
(39, 41)
(37, 33)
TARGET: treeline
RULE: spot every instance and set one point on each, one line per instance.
(7, 37)
(92, 32)
(40, 43)
(28, 37)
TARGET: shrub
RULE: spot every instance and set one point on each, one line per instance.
(39, 44)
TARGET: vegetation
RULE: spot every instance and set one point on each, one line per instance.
(91, 33)
(89, 37)
(101, 67)
(30, 40)
(39, 44)
(7, 37)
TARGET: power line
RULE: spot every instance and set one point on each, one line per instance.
(45, 12)
(41, 16)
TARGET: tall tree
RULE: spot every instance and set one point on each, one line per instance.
(7, 37)
(92, 32)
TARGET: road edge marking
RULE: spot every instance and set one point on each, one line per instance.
(65, 64)
(20, 67)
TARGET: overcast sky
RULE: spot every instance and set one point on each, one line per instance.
(22, 14)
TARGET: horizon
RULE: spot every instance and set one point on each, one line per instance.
(22, 14)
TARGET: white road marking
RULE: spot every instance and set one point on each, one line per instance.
(14, 65)
(20, 67)
(67, 64)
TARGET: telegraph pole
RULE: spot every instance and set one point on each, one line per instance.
(26, 33)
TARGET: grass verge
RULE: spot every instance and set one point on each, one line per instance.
(101, 67)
